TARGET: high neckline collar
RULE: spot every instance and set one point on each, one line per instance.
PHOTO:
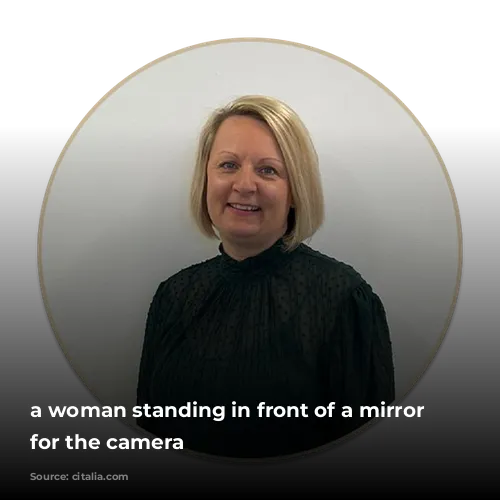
(261, 263)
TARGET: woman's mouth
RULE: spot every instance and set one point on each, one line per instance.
(244, 208)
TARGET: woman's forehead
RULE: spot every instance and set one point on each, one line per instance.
(243, 135)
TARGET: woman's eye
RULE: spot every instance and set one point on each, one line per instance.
(227, 165)
(268, 170)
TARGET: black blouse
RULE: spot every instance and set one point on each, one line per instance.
(282, 328)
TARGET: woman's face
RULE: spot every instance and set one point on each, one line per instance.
(248, 193)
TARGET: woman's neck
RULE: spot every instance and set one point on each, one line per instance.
(241, 250)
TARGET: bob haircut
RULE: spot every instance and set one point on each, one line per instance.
(299, 154)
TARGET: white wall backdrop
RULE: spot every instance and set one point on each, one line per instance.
(116, 220)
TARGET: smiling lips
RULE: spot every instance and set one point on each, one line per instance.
(244, 208)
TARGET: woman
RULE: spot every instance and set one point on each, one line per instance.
(269, 320)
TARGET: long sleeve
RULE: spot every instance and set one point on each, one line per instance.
(161, 316)
(359, 355)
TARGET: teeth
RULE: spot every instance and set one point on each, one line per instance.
(249, 208)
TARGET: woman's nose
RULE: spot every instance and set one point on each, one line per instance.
(245, 179)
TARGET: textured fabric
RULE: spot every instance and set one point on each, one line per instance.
(284, 328)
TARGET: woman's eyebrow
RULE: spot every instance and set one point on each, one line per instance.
(223, 151)
(272, 158)
(267, 158)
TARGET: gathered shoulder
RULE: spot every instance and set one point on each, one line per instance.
(190, 277)
(330, 274)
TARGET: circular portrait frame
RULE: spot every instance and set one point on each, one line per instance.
(113, 168)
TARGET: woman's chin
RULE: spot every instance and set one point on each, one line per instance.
(241, 233)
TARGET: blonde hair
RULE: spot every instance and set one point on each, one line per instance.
(299, 154)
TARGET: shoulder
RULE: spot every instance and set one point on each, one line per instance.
(321, 264)
(194, 275)
(337, 284)
(328, 274)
